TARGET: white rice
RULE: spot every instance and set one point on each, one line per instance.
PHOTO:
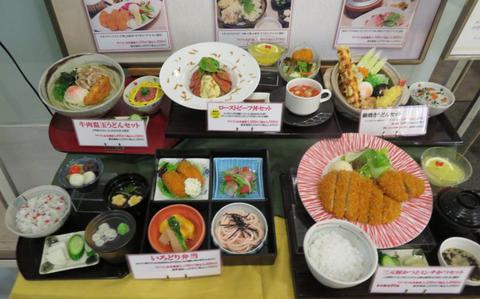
(40, 213)
(334, 256)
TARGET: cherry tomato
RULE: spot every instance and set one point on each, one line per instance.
(75, 169)
(244, 189)
(228, 178)
(245, 169)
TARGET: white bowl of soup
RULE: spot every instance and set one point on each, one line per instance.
(438, 98)
(304, 96)
(82, 85)
(461, 252)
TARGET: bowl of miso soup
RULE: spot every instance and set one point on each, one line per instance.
(461, 252)
(82, 85)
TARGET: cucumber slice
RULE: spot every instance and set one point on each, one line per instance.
(75, 247)
(389, 261)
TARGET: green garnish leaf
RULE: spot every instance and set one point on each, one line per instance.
(209, 65)
(175, 227)
(248, 6)
(302, 66)
(144, 91)
(392, 20)
(62, 83)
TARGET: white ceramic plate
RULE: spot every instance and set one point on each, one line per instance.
(61, 245)
(202, 164)
(177, 70)
(156, 5)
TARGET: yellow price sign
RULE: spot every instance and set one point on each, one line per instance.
(215, 113)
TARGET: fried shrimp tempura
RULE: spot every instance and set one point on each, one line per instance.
(189, 170)
(391, 183)
(174, 182)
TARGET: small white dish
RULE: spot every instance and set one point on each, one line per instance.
(13, 208)
(305, 105)
(358, 239)
(59, 243)
(238, 206)
(464, 244)
(150, 108)
(445, 98)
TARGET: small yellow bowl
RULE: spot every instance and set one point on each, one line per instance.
(266, 54)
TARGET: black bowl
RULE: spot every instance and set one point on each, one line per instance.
(118, 183)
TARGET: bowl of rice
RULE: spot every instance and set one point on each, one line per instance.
(38, 212)
(339, 254)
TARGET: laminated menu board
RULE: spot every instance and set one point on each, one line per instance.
(241, 22)
(375, 23)
(128, 25)
(464, 41)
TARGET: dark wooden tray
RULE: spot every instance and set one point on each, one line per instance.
(85, 206)
(208, 208)
(305, 285)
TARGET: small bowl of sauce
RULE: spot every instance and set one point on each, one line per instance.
(461, 252)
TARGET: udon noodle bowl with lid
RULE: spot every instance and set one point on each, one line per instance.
(82, 85)
(239, 228)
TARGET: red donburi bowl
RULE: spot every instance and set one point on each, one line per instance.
(186, 211)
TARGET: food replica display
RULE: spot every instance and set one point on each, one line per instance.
(144, 95)
(302, 62)
(80, 173)
(212, 71)
(366, 82)
(438, 98)
(369, 182)
(182, 178)
(82, 85)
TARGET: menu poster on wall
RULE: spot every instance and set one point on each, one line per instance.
(375, 23)
(468, 42)
(129, 25)
(241, 22)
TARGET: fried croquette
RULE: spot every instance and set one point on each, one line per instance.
(391, 183)
(414, 186)
(341, 192)
(375, 214)
(391, 209)
(189, 170)
(326, 190)
(351, 208)
(175, 183)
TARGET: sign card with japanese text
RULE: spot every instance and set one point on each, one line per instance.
(175, 265)
(111, 132)
(392, 122)
(422, 280)
(244, 117)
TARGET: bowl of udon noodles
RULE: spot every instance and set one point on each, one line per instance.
(82, 85)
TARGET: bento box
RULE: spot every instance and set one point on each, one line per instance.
(216, 199)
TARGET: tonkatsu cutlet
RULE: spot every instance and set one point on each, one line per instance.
(366, 186)
(391, 183)
(352, 204)
(375, 215)
(391, 209)
(414, 186)
(326, 190)
(341, 192)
